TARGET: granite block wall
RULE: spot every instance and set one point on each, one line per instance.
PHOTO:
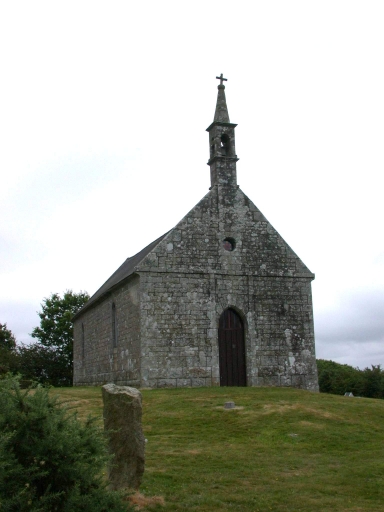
(179, 329)
(98, 358)
(189, 279)
(168, 310)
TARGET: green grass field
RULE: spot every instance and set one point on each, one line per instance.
(279, 450)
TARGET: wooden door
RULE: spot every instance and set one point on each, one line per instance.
(231, 349)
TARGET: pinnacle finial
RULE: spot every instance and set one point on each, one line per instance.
(221, 79)
(221, 112)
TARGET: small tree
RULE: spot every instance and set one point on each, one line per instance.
(373, 382)
(8, 354)
(50, 461)
(7, 339)
(56, 327)
(44, 365)
(338, 378)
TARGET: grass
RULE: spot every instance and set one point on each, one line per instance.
(279, 450)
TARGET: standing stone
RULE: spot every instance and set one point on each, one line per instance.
(122, 421)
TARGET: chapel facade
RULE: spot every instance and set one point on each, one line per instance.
(220, 299)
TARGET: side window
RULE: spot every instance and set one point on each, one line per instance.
(82, 341)
(114, 326)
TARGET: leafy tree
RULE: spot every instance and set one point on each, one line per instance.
(44, 365)
(50, 461)
(373, 382)
(7, 339)
(8, 354)
(339, 378)
(56, 327)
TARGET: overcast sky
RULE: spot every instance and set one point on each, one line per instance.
(103, 111)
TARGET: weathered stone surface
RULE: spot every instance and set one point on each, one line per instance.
(168, 308)
(122, 421)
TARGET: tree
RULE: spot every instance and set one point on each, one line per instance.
(44, 365)
(339, 378)
(8, 354)
(56, 327)
(374, 382)
(7, 339)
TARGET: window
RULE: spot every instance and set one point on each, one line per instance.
(82, 341)
(229, 244)
(114, 325)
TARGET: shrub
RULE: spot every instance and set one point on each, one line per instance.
(9, 361)
(339, 378)
(50, 461)
(8, 355)
(44, 365)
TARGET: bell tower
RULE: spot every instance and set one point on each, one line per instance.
(222, 150)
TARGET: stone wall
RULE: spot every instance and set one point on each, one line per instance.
(97, 358)
(189, 279)
(180, 317)
(168, 311)
(176, 349)
(195, 244)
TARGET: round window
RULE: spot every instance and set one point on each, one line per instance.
(229, 244)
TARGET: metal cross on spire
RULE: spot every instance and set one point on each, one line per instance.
(221, 79)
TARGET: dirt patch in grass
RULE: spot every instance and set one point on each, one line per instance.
(285, 409)
(236, 408)
(311, 424)
(142, 502)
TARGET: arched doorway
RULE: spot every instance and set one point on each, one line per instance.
(231, 349)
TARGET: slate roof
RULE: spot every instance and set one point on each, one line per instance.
(124, 271)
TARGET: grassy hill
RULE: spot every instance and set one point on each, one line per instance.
(279, 450)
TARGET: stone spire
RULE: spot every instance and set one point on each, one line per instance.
(221, 112)
(222, 149)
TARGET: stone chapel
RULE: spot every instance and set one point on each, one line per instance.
(219, 300)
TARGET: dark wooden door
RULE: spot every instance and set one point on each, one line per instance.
(231, 349)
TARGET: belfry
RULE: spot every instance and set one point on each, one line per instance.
(220, 299)
(222, 153)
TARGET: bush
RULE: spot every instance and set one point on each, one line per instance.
(44, 365)
(9, 361)
(7, 339)
(50, 461)
(8, 354)
(373, 382)
(339, 378)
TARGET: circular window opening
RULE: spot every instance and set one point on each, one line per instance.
(229, 244)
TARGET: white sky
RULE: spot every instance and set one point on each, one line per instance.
(103, 111)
